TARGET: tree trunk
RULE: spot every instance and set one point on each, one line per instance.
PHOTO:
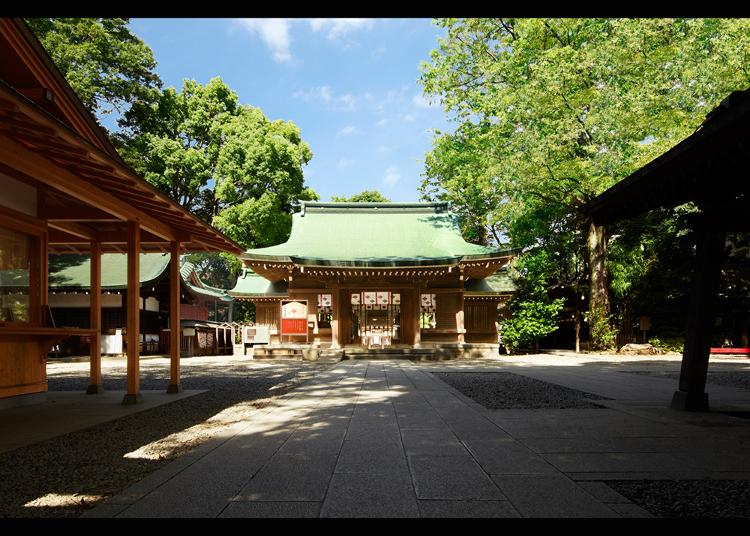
(578, 331)
(601, 332)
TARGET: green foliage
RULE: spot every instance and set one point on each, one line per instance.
(224, 161)
(106, 65)
(531, 321)
(219, 270)
(533, 314)
(676, 344)
(551, 112)
(365, 196)
(603, 333)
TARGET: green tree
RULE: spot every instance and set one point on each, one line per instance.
(365, 196)
(533, 313)
(107, 66)
(550, 112)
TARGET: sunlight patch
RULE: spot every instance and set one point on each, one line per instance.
(59, 500)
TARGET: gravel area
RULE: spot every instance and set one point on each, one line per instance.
(505, 390)
(65, 475)
(688, 498)
(733, 378)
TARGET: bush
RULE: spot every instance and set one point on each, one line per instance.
(531, 320)
(673, 344)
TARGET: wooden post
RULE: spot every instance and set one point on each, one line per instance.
(174, 319)
(336, 316)
(95, 307)
(417, 306)
(460, 318)
(691, 395)
(133, 395)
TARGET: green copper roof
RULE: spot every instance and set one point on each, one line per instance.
(251, 284)
(498, 283)
(75, 270)
(374, 234)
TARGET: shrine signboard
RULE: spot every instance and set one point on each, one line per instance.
(293, 318)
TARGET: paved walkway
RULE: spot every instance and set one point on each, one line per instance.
(386, 438)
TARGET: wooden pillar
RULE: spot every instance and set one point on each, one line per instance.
(460, 318)
(417, 312)
(691, 395)
(336, 317)
(175, 385)
(133, 395)
(95, 309)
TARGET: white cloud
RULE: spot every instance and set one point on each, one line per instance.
(317, 93)
(346, 102)
(382, 123)
(408, 118)
(345, 163)
(348, 131)
(391, 177)
(274, 33)
(337, 28)
(420, 102)
(383, 149)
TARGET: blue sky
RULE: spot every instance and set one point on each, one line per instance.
(349, 84)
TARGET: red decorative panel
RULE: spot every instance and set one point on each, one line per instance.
(293, 326)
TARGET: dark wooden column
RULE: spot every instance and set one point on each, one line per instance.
(133, 395)
(95, 308)
(345, 317)
(336, 317)
(691, 395)
(175, 385)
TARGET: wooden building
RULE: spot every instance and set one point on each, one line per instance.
(709, 169)
(64, 189)
(204, 310)
(376, 275)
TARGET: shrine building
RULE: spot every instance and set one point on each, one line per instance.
(376, 275)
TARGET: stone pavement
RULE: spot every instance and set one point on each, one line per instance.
(387, 439)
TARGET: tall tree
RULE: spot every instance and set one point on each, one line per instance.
(550, 112)
(175, 140)
(365, 196)
(107, 66)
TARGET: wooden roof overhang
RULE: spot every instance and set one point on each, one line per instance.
(475, 267)
(709, 167)
(85, 194)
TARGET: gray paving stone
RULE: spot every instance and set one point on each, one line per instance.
(420, 420)
(370, 431)
(370, 495)
(550, 496)
(358, 456)
(451, 477)
(288, 477)
(204, 488)
(507, 456)
(476, 509)
(603, 493)
(614, 462)
(293, 509)
(318, 441)
(440, 442)
(631, 510)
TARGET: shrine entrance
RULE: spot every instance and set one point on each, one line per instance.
(376, 318)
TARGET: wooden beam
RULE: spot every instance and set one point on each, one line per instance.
(95, 309)
(75, 229)
(133, 395)
(175, 385)
(16, 156)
